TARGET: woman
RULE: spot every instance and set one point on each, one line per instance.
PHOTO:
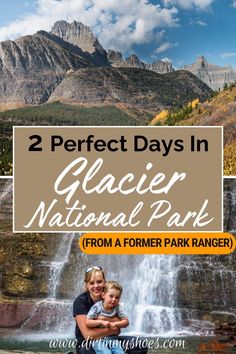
(94, 283)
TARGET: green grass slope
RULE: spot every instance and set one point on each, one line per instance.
(62, 114)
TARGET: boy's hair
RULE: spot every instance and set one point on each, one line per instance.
(111, 284)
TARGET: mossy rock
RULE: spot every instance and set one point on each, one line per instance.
(17, 285)
(221, 318)
(22, 268)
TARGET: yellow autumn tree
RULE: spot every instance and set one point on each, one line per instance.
(194, 103)
(160, 116)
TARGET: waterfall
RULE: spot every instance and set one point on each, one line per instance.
(7, 190)
(163, 295)
(154, 291)
(55, 313)
(48, 319)
(149, 292)
(58, 264)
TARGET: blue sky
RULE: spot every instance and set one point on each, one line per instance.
(179, 30)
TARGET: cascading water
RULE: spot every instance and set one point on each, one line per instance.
(5, 197)
(161, 293)
(53, 311)
(6, 191)
(58, 264)
(154, 294)
(150, 292)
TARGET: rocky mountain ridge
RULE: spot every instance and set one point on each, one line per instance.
(138, 88)
(213, 75)
(159, 66)
(78, 34)
(81, 36)
(32, 67)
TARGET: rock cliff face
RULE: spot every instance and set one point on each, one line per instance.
(32, 66)
(159, 66)
(214, 76)
(139, 88)
(81, 36)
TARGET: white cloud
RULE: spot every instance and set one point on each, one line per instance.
(118, 24)
(227, 55)
(166, 59)
(165, 46)
(197, 22)
(201, 23)
(189, 4)
(234, 4)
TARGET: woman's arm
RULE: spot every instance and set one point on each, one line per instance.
(94, 333)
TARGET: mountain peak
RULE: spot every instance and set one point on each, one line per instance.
(202, 61)
(78, 34)
(214, 76)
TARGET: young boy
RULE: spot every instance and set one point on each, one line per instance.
(107, 313)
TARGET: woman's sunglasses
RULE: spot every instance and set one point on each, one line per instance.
(93, 267)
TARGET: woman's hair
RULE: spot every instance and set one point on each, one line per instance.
(90, 272)
(112, 285)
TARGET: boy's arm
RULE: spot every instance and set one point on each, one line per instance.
(94, 333)
(94, 322)
(122, 323)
